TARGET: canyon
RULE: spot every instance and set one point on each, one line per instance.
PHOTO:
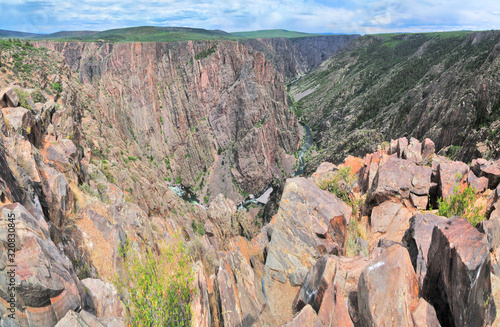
(96, 136)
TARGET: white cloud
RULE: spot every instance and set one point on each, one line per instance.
(355, 16)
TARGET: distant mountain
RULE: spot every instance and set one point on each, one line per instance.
(262, 34)
(7, 34)
(155, 34)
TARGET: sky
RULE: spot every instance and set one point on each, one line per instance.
(314, 16)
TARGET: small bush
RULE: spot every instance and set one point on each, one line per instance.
(37, 96)
(205, 53)
(57, 87)
(340, 184)
(132, 158)
(461, 204)
(158, 287)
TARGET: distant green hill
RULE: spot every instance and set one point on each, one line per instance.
(271, 34)
(154, 34)
(148, 34)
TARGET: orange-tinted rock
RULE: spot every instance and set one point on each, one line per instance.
(200, 304)
(402, 145)
(458, 282)
(390, 220)
(424, 315)
(333, 311)
(305, 318)
(386, 290)
(294, 243)
(240, 290)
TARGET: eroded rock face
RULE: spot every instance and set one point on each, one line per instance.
(458, 282)
(46, 285)
(386, 289)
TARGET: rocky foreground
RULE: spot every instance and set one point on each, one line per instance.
(378, 254)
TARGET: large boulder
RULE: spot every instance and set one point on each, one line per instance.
(458, 282)
(333, 311)
(387, 289)
(104, 300)
(424, 315)
(413, 151)
(397, 179)
(319, 277)
(491, 227)
(417, 240)
(449, 175)
(304, 225)
(488, 169)
(80, 319)
(9, 97)
(46, 286)
(17, 120)
(241, 298)
(390, 220)
(480, 184)
(428, 149)
(305, 318)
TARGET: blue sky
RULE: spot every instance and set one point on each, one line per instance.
(355, 16)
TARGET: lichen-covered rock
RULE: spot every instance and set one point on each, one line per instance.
(458, 282)
(413, 151)
(428, 149)
(200, 305)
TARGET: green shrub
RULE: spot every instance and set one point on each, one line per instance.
(158, 286)
(340, 184)
(461, 204)
(132, 158)
(23, 98)
(57, 87)
(205, 53)
(37, 96)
